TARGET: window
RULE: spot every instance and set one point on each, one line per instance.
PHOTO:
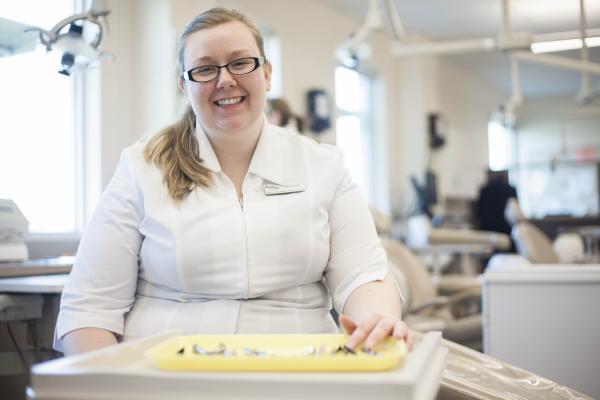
(500, 146)
(566, 188)
(38, 163)
(354, 127)
(273, 53)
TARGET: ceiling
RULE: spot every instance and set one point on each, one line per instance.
(467, 19)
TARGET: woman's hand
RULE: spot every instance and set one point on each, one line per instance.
(375, 328)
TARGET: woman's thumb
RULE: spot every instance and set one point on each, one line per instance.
(347, 323)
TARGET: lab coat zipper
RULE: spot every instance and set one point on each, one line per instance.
(241, 201)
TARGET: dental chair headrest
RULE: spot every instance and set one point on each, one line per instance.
(383, 223)
(512, 212)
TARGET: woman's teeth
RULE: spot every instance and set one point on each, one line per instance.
(227, 102)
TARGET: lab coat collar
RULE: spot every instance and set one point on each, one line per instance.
(207, 154)
(267, 161)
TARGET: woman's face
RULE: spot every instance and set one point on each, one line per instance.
(244, 95)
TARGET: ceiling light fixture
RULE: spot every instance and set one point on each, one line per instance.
(562, 45)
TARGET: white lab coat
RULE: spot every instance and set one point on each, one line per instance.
(208, 265)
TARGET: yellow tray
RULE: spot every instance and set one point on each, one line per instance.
(281, 353)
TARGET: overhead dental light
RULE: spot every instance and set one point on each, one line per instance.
(381, 13)
(75, 47)
(351, 52)
(507, 114)
(67, 36)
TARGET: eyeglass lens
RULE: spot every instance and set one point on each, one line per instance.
(236, 67)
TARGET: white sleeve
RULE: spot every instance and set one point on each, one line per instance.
(101, 286)
(356, 255)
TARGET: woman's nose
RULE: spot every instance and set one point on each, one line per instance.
(225, 79)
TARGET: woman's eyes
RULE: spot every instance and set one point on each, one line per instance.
(240, 63)
(205, 70)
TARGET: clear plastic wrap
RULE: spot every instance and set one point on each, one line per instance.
(473, 375)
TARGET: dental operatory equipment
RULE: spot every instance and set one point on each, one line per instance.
(72, 42)
(13, 227)
(70, 35)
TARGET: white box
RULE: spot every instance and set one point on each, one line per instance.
(122, 372)
(546, 319)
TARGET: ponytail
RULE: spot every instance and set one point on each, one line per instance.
(175, 151)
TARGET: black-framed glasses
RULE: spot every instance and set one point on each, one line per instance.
(241, 66)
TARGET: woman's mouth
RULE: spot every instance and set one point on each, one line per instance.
(229, 101)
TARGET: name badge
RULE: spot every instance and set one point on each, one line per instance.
(272, 189)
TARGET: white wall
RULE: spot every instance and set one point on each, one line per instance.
(154, 81)
(417, 95)
(115, 81)
(137, 89)
(466, 103)
(434, 84)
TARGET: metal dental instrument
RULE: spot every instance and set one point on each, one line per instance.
(221, 350)
(253, 352)
(344, 349)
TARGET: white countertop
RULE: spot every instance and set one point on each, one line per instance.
(34, 284)
(563, 273)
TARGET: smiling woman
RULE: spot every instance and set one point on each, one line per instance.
(223, 223)
(228, 105)
(213, 114)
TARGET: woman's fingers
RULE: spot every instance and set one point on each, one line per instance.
(374, 329)
(363, 329)
(382, 330)
(347, 323)
(401, 332)
(410, 341)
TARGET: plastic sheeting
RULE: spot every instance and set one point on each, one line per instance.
(473, 375)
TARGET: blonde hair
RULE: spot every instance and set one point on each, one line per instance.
(174, 149)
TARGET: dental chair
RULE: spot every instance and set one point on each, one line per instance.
(423, 233)
(440, 245)
(457, 315)
(444, 284)
(535, 246)
(383, 222)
